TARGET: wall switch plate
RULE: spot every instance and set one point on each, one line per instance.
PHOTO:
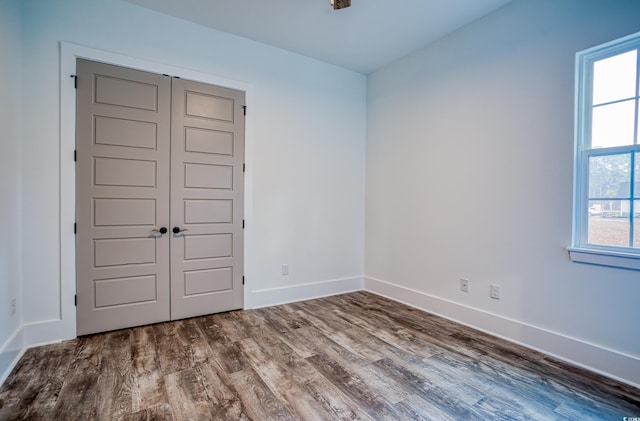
(285, 269)
(464, 285)
(494, 292)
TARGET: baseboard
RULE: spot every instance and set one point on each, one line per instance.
(44, 333)
(10, 353)
(610, 363)
(290, 294)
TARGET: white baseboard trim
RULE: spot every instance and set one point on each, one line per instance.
(290, 294)
(10, 353)
(616, 365)
(44, 333)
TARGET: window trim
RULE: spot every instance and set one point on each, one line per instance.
(581, 252)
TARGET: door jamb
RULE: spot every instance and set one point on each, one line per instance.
(69, 52)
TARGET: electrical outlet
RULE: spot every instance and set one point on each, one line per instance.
(285, 269)
(13, 307)
(494, 292)
(464, 285)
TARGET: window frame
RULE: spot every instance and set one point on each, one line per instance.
(581, 251)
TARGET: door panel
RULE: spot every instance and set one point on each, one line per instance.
(207, 152)
(208, 141)
(124, 172)
(131, 290)
(124, 92)
(121, 132)
(122, 180)
(121, 212)
(210, 211)
(124, 251)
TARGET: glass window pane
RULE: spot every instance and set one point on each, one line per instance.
(609, 175)
(609, 227)
(596, 207)
(613, 125)
(636, 223)
(636, 203)
(636, 184)
(614, 78)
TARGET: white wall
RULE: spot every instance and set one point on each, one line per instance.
(10, 206)
(307, 143)
(469, 174)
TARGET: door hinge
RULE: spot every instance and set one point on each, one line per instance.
(75, 228)
(75, 156)
(75, 300)
(244, 167)
(75, 81)
(243, 224)
(243, 280)
(244, 108)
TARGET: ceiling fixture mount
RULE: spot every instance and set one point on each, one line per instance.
(340, 4)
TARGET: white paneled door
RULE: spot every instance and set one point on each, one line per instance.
(159, 186)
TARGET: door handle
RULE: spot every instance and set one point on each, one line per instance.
(162, 230)
(177, 230)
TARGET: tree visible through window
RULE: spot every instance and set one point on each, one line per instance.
(607, 202)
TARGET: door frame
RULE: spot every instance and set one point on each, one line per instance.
(69, 52)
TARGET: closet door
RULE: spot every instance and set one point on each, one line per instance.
(122, 197)
(207, 155)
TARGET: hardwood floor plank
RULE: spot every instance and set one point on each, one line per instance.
(354, 387)
(276, 342)
(587, 413)
(221, 393)
(457, 406)
(116, 381)
(148, 390)
(230, 356)
(258, 401)
(224, 350)
(509, 412)
(162, 412)
(187, 396)
(232, 326)
(416, 408)
(174, 355)
(317, 314)
(389, 333)
(334, 401)
(348, 357)
(78, 396)
(288, 390)
(527, 394)
(88, 352)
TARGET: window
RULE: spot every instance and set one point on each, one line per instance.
(606, 227)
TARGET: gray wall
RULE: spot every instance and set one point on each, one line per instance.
(469, 174)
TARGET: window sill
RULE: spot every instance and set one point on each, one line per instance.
(605, 258)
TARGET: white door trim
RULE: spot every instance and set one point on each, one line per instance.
(65, 328)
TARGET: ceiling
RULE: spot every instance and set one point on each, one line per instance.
(363, 37)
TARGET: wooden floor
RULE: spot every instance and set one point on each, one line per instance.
(354, 356)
